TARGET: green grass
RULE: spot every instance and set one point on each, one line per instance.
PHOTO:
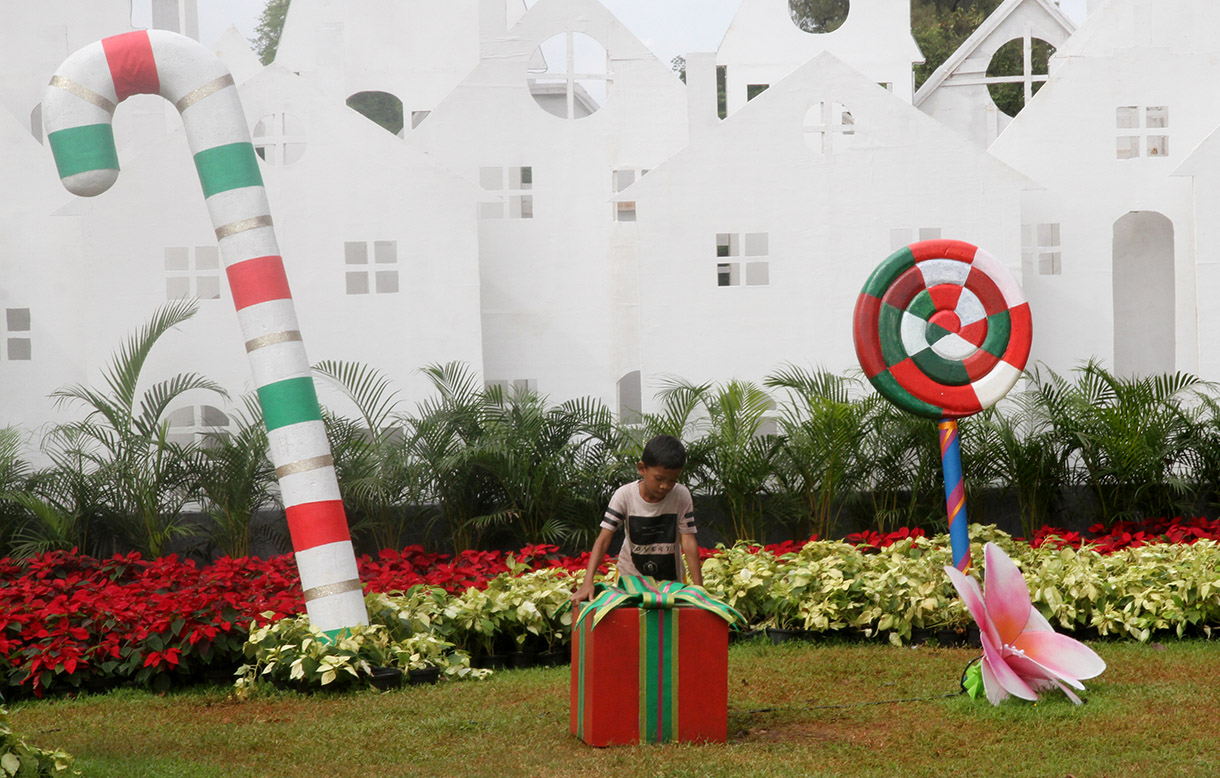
(794, 710)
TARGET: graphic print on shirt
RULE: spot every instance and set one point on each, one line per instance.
(653, 546)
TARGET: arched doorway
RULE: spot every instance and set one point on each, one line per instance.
(1144, 302)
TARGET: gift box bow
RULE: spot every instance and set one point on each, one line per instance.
(644, 592)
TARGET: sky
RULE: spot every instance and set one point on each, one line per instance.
(668, 27)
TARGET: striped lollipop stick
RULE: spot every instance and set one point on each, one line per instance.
(77, 112)
(955, 493)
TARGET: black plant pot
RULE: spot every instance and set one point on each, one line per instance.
(522, 659)
(423, 675)
(555, 657)
(489, 661)
(784, 635)
(386, 678)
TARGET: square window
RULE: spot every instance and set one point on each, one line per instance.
(623, 179)
(207, 258)
(491, 178)
(929, 233)
(727, 245)
(178, 288)
(1157, 116)
(1158, 145)
(521, 207)
(182, 417)
(387, 281)
(207, 287)
(1048, 264)
(356, 252)
(758, 273)
(624, 212)
(385, 252)
(1127, 117)
(728, 274)
(1048, 234)
(357, 283)
(19, 349)
(900, 238)
(756, 244)
(527, 178)
(754, 90)
(1128, 146)
(177, 258)
(17, 319)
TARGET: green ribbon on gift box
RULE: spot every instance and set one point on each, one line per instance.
(658, 602)
(643, 592)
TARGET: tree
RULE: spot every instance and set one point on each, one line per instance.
(267, 33)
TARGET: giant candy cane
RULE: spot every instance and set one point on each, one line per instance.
(77, 111)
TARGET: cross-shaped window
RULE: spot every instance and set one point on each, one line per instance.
(570, 75)
(828, 127)
(279, 139)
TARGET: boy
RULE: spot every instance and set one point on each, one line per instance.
(658, 518)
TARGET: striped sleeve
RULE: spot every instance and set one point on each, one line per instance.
(686, 516)
(615, 512)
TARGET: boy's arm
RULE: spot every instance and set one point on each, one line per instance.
(585, 590)
(690, 551)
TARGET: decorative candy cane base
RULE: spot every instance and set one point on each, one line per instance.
(955, 494)
(77, 111)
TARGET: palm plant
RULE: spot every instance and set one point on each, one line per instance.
(735, 457)
(123, 439)
(14, 472)
(530, 452)
(380, 478)
(1019, 449)
(900, 459)
(1131, 437)
(236, 480)
(818, 460)
(447, 429)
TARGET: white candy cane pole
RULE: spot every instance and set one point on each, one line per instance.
(77, 112)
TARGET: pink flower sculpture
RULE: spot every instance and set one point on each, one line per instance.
(1021, 653)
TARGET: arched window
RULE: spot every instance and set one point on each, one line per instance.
(381, 108)
(1144, 302)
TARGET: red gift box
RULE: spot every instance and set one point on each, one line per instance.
(651, 675)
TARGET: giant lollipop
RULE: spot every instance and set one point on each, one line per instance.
(78, 108)
(943, 331)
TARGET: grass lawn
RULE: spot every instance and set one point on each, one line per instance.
(794, 710)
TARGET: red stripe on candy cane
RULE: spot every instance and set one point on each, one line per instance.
(132, 65)
(314, 524)
(258, 280)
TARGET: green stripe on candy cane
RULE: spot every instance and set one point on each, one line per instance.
(290, 401)
(232, 166)
(82, 149)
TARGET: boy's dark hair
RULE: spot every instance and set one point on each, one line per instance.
(664, 451)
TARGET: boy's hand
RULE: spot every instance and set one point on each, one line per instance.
(584, 592)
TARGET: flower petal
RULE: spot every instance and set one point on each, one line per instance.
(1037, 622)
(968, 590)
(1004, 674)
(1005, 595)
(1066, 657)
(995, 692)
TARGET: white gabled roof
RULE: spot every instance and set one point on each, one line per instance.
(989, 27)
